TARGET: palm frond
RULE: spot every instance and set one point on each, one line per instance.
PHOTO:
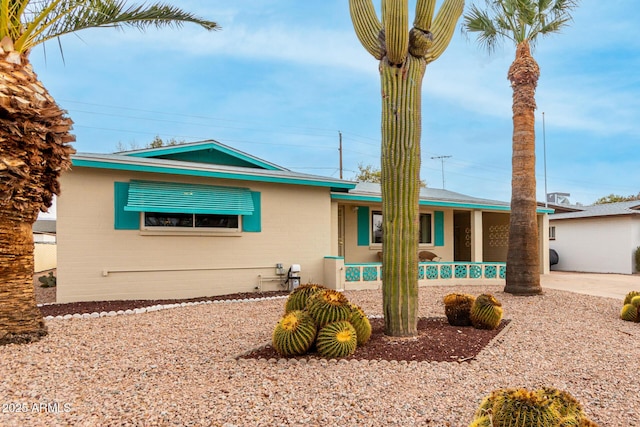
(45, 20)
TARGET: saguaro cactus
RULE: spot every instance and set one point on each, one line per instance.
(403, 55)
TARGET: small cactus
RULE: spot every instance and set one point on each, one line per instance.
(636, 301)
(337, 339)
(630, 313)
(294, 334)
(629, 297)
(328, 306)
(360, 323)
(457, 308)
(486, 312)
(299, 297)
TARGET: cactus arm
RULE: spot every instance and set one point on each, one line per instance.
(424, 14)
(443, 27)
(395, 20)
(367, 27)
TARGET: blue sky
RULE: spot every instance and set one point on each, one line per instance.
(283, 77)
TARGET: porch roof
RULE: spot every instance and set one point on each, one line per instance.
(371, 192)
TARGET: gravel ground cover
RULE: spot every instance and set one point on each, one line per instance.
(180, 367)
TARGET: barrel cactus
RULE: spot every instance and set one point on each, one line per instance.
(294, 334)
(635, 301)
(486, 312)
(457, 307)
(360, 323)
(629, 297)
(630, 313)
(298, 299)
(337, 339)
(328, 306)
(523, 408)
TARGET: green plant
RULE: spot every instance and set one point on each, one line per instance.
(636, 301)
(486, 312)
(48, 281)
(360, 323)
(328, 306)
(546, 407)
(630, 313)
(299, 297)
(457, 308)
(629, 297)
(337, 339)
(294, 334)
(637, 258)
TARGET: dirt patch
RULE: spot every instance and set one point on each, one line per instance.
(437, 341)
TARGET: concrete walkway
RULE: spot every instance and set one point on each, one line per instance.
(602, 285)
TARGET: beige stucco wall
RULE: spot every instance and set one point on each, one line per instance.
(97, 262)
(597, 245)
(356, 254)
(44, 256)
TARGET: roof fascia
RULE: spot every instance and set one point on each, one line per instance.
(172, 170)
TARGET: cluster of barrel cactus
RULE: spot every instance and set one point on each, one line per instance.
(315, 315)
(483, 312)
(631, 307)
(546, 407)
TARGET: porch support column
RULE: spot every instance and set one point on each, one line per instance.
(476, 236)
(543, 235)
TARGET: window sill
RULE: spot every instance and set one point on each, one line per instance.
(195, 233)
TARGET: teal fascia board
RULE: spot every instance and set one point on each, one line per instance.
(209, 174)
(168, 152)
(169, 197)
(458, 205)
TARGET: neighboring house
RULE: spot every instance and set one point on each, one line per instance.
(596, 239)
(205, 219)
(44, 239)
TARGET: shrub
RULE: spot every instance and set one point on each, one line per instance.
(48, 281)
(637, 258)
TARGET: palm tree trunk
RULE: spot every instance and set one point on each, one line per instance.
(523, 258)
(401, 128)
(34, 151)
(20, 318)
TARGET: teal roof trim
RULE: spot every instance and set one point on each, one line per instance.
(254, 175)
(170, 197)
(434, 203)
(210, 152)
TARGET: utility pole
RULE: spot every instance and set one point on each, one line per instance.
(544, 145)
(340, 150)
(441, 158)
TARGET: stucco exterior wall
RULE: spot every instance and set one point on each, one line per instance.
(355, 253)
(98, 262)
(44, 256)
(596, 245)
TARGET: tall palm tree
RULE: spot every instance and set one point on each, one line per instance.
(522, 22)
(35, 134)
(403, 56)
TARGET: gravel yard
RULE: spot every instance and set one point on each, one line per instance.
(178, 367)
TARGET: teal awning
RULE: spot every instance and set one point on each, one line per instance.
(169, 197)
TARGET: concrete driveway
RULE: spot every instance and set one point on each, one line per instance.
(603, 285)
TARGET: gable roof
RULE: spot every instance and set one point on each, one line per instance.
(209, 151)
(209, 170)
(606, 209)
(371, 192)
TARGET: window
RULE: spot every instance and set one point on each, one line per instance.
(184, 220)
(552, 233)
(425, 233)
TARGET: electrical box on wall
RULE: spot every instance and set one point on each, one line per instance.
(279, 269)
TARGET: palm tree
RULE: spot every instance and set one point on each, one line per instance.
(403, 56)
(35, 134)
(522, 22)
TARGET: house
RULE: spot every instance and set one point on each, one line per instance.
(204, 219)
(596, 239)
(44, 239)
